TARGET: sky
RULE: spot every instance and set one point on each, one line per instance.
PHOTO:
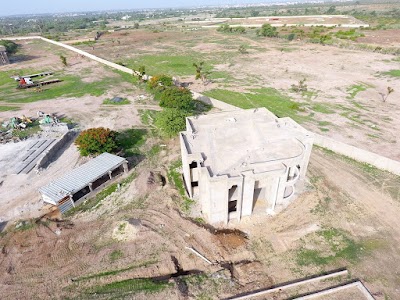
(60, 6)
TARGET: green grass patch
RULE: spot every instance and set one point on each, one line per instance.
(71, 86)
(147, 116)
(175, 177)
(393, 73)
(323, 129)
(354, 89)
(109, 102)
(119, 289)
(322, 108)
(281, 105)
(85, 43)
(117, 271)
(8, 108)
(178, 65)
(115, 255)
(130, 140)
(338, 246)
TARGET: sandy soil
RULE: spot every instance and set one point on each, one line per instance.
(389, 37)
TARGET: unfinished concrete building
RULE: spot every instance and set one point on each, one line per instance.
(80, 183)
(3, 56)
(241, 162)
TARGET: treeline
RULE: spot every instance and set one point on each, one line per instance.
(48, 24)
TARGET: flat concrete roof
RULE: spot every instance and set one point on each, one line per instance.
(80, 177)
(2, 48)
(253, 139)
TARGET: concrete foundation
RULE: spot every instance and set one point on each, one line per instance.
(241, 162)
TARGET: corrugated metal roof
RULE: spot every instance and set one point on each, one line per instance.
(81, 176)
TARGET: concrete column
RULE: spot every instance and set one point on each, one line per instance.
(90, 186)
(109, 174)
(125, 166)
(72, 200)
(248, 193)
(240, 199)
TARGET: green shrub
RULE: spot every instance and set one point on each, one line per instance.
(96, 141)
(267, 30)
(171, 121)
(224, 28)
(160, 80)
(240, 29)
(175, 97)
(291, 37)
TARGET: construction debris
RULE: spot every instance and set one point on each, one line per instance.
(25, 81)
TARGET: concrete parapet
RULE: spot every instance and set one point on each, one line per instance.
(358, 154)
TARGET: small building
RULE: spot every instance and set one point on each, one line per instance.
(77, 185)
(3, 56)
(241, 162)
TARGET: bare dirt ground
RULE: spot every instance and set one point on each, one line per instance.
(389, 37)
(73, 262)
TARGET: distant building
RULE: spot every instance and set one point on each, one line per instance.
(3, 56)
(240, 162)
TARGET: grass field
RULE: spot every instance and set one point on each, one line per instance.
(278, 103)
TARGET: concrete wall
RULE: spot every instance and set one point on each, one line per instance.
(358, 154)
(51, 153)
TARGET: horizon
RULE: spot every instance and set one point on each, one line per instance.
(45, 7)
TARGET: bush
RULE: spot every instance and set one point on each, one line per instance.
(96, 141)
(240, 29)
(175, 97)
(267, 30)
(160, 80)
(11, 47)
(224, 28)
(171, 121)
(291, 37)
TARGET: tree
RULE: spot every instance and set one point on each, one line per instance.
(200, 74)
(96, 141)
(11, 47)
(254, 13)
(171, 121)
(331, 10)
(176, 97)
(63, 60)
(142, 72)
(267, 30)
